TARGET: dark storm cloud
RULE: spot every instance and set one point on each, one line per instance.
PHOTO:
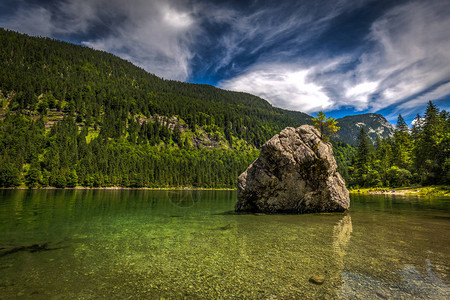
(366, 55)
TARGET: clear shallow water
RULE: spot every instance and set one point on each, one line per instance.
(188, 244)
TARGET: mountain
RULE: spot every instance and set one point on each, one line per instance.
(374, 124)
(43, 75)
(71, 115)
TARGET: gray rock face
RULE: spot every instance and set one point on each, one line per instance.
(295, 173)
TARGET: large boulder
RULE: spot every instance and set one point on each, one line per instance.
(295, 173)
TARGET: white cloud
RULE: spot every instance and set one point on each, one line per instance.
(361, 89)
(406, 49)
(418, 104)
(438, 93)
(33, 20)
(176, 19)
(410, 54)
(360, 94)
(156, 35)
(77, 16)
(414, 121)
(407, 53)
(282, 86)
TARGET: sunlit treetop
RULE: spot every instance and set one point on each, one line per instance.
(326, 125)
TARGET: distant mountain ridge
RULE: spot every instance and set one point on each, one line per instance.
(375, 125)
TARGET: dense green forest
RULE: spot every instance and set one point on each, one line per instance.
(71, 115)
(74, 116)
(420, 154)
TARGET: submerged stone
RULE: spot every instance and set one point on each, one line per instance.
(295, 173)
(316, 279)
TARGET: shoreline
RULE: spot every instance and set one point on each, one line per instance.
(121, 188)
(439, 190)
(385, 192)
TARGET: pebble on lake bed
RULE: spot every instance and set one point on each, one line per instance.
(317, 279)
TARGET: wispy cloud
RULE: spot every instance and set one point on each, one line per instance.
(409, 54)
(279, 31)
(283, 73)
(435, 94)
(34, 20)
(156, 35)
(406, 54)
(302, 55)
(360, 93)
(410, 107)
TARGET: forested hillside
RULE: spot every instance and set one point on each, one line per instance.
(72, 116)
(417, 155)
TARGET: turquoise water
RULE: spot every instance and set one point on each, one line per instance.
(119, 244)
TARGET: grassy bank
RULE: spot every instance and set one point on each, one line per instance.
(434, 190)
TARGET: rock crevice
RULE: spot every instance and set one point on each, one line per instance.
(295, 173)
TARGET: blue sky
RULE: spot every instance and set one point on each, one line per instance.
(339, 56)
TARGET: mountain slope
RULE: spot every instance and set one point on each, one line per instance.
(374, 124)
(70, 115)
(103, 90)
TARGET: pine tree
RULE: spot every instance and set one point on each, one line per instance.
(401, 125)
(427, 148)
(326, 125)
(402, 144)
(364, 148)
(9, 174)
(363, 173)
(33, 176)
(416, 127)
(384, 158)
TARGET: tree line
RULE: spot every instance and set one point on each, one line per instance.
(63, 157)
(416, 155)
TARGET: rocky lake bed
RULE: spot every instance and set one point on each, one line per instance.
(191, 244)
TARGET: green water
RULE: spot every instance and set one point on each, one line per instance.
(105, 244)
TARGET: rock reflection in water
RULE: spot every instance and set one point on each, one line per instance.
(341, 236)
(278, 255)
(342, 232)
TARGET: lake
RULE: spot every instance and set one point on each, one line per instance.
(118, 244)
